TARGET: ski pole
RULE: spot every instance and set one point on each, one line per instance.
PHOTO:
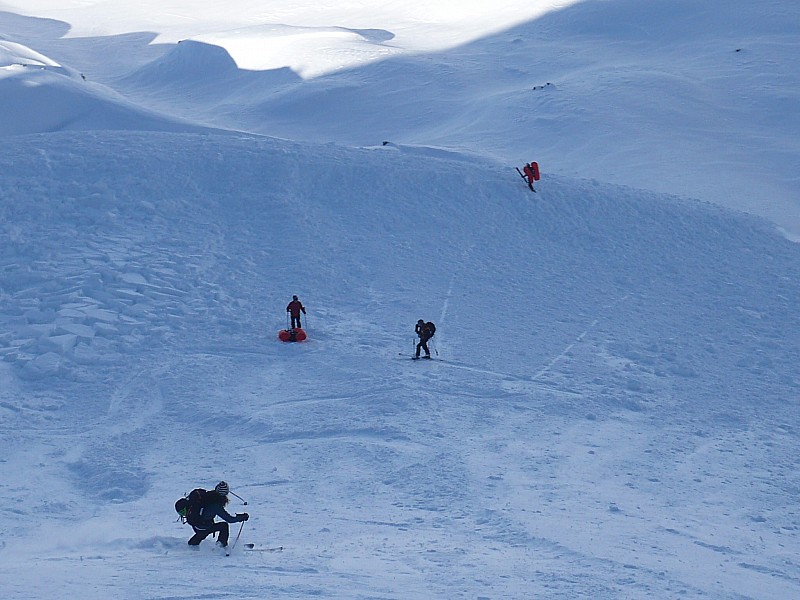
(238, 496)
(520, 173)
(237, 537)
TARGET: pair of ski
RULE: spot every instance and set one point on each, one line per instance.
(415, 357)
(254, 548)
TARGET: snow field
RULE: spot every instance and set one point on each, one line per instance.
(629, 431)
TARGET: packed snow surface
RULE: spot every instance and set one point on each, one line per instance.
(612, 406)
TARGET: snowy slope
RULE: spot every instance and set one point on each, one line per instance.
(612, 409)
(613, 413)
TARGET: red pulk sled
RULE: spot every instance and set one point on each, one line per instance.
(292, 335)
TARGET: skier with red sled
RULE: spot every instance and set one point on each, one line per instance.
(293, 333)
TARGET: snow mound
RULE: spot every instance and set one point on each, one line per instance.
(14, 54)
(189, 60)
(206, 71)
(39, 95)
(309, 51)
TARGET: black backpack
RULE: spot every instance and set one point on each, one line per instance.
(190, 507)
(431, 328)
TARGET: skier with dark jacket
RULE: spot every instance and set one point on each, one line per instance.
(213, 506)
(294, 308)
(425, 332)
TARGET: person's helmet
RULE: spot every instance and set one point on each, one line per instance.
(222, 488)
(420, 322)
(294, 297)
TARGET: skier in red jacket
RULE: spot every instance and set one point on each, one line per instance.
(294, 308)
(531, 171)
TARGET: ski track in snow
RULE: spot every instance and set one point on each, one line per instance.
(579, 339)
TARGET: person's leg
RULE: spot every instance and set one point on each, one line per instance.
(425, 347)
(224, 532)
(199, 535)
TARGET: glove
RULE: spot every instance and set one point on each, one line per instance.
(242, 516)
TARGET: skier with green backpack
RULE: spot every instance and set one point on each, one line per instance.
(200, 508)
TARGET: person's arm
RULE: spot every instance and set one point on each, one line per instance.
(225, 515)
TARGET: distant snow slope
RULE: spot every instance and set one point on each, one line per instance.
(613, 412)
(416, 26)
(697, 99)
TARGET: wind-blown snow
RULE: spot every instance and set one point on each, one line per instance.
(612, 409)
(13, 54)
